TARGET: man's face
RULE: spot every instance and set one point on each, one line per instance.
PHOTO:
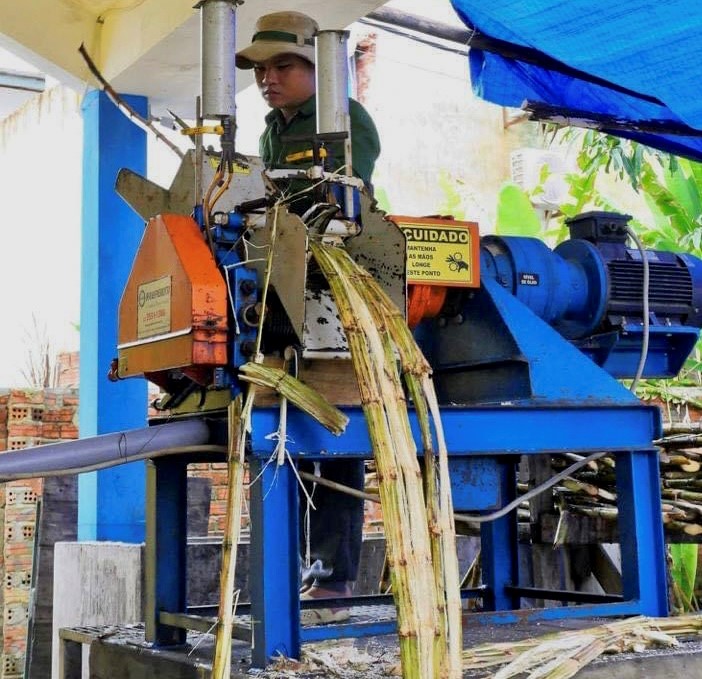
(286, 81)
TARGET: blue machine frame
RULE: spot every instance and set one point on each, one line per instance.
(568, 406)
(525, 390)
(475, 436)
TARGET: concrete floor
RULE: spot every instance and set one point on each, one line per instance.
(121, 652)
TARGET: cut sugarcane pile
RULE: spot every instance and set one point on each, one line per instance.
(562, 655)
(592, 490)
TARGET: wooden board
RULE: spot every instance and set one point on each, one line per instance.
(333, 378)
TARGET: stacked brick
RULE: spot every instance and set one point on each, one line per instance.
(68, 369)
(27, 418)
(217, 475)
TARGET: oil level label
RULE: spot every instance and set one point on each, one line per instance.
(530, 279)
(441, 251)
(154, 308)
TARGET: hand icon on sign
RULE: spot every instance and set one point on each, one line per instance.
(456, 263)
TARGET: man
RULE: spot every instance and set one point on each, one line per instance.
(282, 56)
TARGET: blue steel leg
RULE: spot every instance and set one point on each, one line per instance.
(166, 543)
(641, 531)
(274, 563)
(499, 544)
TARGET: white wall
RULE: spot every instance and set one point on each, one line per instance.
(40, 167)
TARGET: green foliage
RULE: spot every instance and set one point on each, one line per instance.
(683, 569)
(675, 201)
(614, 155)
(381, 198)
(453, 200)
(515, 213)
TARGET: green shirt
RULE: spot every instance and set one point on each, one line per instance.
(365, 144)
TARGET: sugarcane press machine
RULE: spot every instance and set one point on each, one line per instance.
(526, 344)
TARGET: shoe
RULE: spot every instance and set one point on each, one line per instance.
(324, 616)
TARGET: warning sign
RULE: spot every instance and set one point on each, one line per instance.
(441, 251)
(236, 168)
(154, 308)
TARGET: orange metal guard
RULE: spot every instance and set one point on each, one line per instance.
(424, 301)
(173, 312)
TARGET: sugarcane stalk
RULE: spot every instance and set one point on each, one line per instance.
(682, 428)
(433, 509)
(448, 532)
(671, 475)
(692, 529)
(221, 667)
(675, 515)
(686, 506)
(398, 475)
(382, 311)
(682, 441)
(683, 483)
(417, 371)
(676, 494)
(298, 393)
(589, 489)
(609, 513)
(685, 463)
(563, 655)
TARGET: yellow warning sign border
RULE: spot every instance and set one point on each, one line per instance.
(446, 223)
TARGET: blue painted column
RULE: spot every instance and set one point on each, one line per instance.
(110, 502)
(641, 531)
(499, 544)
(166, 543)
(275, 591)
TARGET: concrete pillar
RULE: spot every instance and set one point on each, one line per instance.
(110, 502)
(95, 583)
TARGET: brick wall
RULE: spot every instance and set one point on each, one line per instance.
(68, 369)
(217, 474)
(27, 418)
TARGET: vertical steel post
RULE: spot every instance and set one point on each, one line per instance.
(217, 49)
(641, 531)
(166, 545)
(111, 501)
(274, 562)
(332, 75)
(499, 546)
(218, 80)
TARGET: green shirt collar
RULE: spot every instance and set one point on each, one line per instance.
(308, 109)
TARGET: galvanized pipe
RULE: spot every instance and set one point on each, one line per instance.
(217, 49)
(108, 450)
(332, 82)
(332, 75)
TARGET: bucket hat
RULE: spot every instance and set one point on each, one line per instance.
(280, 33)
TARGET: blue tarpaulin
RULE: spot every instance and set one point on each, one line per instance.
(629, 67)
